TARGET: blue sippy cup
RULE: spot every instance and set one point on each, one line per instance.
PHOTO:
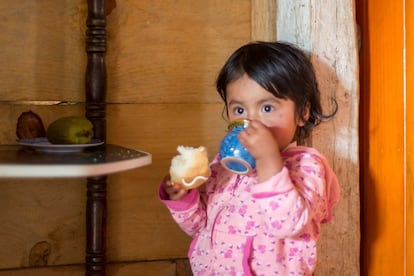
(233, 155)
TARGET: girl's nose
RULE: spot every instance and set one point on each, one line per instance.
(251, 116)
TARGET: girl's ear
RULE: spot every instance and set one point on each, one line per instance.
(304, 116)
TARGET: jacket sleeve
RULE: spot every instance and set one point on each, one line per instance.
(189, 212)
(302, 193)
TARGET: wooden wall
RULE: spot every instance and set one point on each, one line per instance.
(162, 60)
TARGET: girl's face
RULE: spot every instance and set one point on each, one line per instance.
(246, 99)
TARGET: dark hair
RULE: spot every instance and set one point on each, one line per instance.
(282, 69)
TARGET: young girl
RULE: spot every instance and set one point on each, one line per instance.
(266, 222)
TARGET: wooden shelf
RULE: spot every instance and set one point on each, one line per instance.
(24, 162)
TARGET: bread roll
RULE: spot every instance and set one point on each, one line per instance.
(190, 168)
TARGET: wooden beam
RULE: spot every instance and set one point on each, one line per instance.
(327, 29)
(409, 125)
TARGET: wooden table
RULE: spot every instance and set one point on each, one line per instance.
(94, 163)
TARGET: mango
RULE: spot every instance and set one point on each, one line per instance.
(70, 130)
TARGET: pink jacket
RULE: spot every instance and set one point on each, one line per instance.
(242, 227)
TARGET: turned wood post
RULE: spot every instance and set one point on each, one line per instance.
(95, 86)
(96, 68)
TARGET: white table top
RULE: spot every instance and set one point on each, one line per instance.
(18, 161)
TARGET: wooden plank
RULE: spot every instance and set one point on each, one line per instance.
(335, 56)
(159, 268)
(409, 125)
(162, 268)
(383, 246)
(327, 30)
(42, 222)
(161, 128)
(294, 22)
(42, 52)
(182, 45)
(171, 51)
(263, 20)
(72, 270)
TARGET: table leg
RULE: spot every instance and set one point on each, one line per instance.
(96, 226)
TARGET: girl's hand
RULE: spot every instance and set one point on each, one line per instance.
(174, 191)
(259, 141)
(262, 145)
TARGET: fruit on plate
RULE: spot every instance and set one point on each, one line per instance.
(29, 125)
(70, 130)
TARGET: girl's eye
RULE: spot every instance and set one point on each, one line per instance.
(238, 110)
(267, 108)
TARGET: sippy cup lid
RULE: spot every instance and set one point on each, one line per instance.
(241, 122)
